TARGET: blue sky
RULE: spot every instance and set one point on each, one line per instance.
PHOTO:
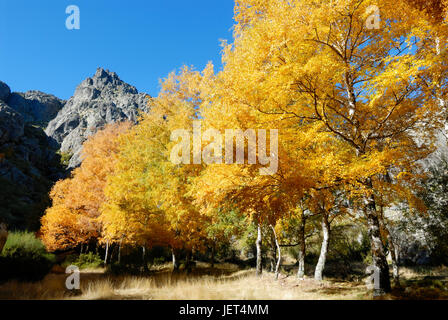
(141, 40)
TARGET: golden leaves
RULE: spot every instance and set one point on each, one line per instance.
(348, 103)
(73, 217)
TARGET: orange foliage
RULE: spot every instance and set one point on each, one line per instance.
(73, 217)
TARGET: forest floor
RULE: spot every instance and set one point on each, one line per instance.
(224, 282)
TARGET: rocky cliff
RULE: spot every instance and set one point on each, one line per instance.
(29, 163)
(97, 101)
(36, 107)
(30, 158)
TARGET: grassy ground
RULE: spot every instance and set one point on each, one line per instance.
(223, 282)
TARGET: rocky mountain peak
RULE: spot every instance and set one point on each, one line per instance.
(107, 75)
(98, 100)
(103, 84)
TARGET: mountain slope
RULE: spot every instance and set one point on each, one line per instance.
(29, 163)
(97, 101)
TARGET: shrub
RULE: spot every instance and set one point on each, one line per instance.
(65, 158)
(349, 243)
(84, 261)
(24, 257)
(159, 261)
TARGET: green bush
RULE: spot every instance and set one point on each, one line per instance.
(349, 243)
(159, 261)
(65, 158)
(24, 257)
(84, 261)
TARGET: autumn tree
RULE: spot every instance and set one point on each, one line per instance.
(434, 79)
(317, 63)
(347, 107)
(263, 199)
(147, 196)
(73, 217)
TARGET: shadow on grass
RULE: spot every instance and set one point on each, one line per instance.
(428, 288)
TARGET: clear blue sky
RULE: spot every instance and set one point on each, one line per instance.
(141, 40)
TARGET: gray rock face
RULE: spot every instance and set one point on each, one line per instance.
(4, 91)
(11, 124)
(35, 106)
(29, 165)
(97, 101)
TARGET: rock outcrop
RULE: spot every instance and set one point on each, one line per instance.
(29, 165)
(36, 107)
(11, 124)
(97, 101)
(5, 91)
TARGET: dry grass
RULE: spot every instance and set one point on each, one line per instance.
(221, 283)
(224, 282)
(420, 283)
(243, 285)
(421, 272)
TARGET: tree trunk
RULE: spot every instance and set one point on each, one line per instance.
(395, 265)
(212, 260)
(112, 249)
(392, 249)
(258, 244)
(279, 253)
(187, 258)
(273, 255)
(378, 256)
(188, 261)
(442, 102)
(107, 252)
(119, 251)
(324, 248)
(145, 266)
(302, 250)
(394, 255)
(175, 262)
